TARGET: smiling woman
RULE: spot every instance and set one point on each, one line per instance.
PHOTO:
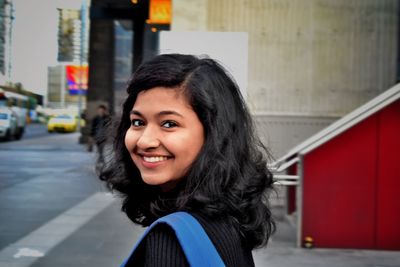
(185, 142)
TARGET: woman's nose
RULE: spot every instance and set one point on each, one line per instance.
(148, 139)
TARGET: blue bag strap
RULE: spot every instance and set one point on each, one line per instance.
(195, 243)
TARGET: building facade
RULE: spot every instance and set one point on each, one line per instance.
(310, 62)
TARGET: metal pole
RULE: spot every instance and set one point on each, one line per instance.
(81, 61)
(62, 86)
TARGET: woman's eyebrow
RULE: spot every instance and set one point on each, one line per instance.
(161, 113)
(169, 112)
(135, 112)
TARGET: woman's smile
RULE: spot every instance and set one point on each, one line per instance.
(153, 161)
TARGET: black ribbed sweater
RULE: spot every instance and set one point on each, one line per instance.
(161, 248)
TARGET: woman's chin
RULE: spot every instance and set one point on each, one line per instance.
(164, 184)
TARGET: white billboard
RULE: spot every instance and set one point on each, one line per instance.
(228, 48)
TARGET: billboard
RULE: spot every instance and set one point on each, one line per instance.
(75, 74)
(229, 48)
(68, 35)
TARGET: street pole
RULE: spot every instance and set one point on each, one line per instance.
(81, 61)
(63, 88)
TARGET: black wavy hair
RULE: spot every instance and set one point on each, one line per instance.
(228, 178)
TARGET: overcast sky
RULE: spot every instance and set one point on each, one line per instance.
(35, 40)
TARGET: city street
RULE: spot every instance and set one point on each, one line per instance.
(35, 130)
(52, 205)
(55, 212)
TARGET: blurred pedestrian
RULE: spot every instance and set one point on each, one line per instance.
(98, 131)
(186, 142)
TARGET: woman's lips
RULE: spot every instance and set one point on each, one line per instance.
(153, 161)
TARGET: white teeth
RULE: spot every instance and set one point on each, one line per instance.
(154, 159)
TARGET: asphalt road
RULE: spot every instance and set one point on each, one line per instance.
(35, 130)
(55, 212)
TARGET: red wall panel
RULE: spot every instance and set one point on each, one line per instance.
(388, 216)
(339, 189)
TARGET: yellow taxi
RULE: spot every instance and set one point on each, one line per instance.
(63, 123)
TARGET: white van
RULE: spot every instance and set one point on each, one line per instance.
(8, 124)
(18, 104)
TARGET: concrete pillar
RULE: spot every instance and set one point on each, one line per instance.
(101, 69)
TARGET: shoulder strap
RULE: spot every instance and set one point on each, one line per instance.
(195, 243)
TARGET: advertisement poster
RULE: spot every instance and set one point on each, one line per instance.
(75, 74)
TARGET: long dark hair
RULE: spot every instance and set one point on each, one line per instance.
(230, 175)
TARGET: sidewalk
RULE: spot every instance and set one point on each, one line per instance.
(282, 252)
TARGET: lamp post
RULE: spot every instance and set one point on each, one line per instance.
(81, 61)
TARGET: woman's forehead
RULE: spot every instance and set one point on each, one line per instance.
(161, 98)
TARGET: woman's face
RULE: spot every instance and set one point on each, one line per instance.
(165, 136)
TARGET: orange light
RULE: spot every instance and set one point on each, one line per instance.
(153, 29)
(160, 12)
(134, 2)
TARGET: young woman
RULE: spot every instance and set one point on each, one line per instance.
(186, 142)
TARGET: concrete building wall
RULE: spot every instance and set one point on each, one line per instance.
(316, 59)
(54, 85)
(189, 15)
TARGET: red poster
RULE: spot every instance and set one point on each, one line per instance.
(77, 79)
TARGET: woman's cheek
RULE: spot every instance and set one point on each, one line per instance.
(129, 140)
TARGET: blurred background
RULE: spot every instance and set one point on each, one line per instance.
(319, 77)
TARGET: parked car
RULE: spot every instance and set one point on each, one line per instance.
(63, 123)
(8, 124)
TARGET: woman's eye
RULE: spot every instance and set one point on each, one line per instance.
(137, 123)
(169, 124)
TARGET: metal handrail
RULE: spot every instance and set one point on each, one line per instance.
(275, 167)
(286, 183)
(286, 177)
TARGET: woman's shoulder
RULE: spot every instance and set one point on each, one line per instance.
(160, 247)
(227, 240)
